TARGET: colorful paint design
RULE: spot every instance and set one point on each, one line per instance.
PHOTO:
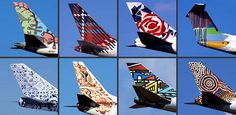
(32, 25)
(148, 21)
(209, 82)
(33, 85)
(206, 32)
(145, 78)
(90, 31)
(90, 87)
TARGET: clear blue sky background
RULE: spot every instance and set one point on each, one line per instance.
(105, 70)
(10, 90)
(164, 68)
(11, 30)
(165, 9)
(220, 12)
(188, 90)
(104, 13)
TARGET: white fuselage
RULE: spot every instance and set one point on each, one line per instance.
(231, 47)
(171, 106)
(112, 111)
(49, 50)
(110, 52)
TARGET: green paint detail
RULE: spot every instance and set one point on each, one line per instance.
(212, 31)
(28, 20)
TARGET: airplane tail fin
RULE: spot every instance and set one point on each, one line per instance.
(208, 82)
(85, 101)
(89, 30)
(32, 25)
(145, 78)
(148, 22)
(90, 86)
(32, 84)
(202, 23)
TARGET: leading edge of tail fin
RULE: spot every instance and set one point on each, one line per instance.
(89, 30)
(90, 86)
(147, 21)
(207, 81)
(32, 84)
(145, 78)
(32, 25)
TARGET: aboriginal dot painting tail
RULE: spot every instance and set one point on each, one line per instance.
(147, 21)
(89, 30)
(208, 82)
(32, 25)
(205, 29)
(145, 78)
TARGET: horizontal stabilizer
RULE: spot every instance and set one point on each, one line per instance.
(85, 101)
(73, 106)
(88, 47)
(208, 97)
(135, 106)
(146, 95)
(152, 39)
(32, 40)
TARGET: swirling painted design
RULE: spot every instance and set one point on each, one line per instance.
(90, 87)
(32, 25)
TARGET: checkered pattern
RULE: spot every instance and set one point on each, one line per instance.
(90, 31)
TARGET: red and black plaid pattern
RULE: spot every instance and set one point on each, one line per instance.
(90, 31)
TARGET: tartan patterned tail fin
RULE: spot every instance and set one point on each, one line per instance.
(89, 30)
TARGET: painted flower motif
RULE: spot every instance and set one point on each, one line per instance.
(151, 23)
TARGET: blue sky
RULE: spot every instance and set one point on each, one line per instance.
(12, 32)
(46, 68)
(219, 11)
(165, 9)
(188, 90)
(103, 13)
(164, 68)
(105, 70)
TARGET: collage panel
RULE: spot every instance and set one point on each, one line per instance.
(88, 86)
(206, 28)
(143, 92)
(206, 86)
(147, 28)
(30, 28)
(88, 28)
(29, 86)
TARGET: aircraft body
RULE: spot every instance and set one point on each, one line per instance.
(207, 33)
(38, 38)
(214, 92)
(38, 93)
(94, 39)
(151, 90)
(93, 98)
(154, 33)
